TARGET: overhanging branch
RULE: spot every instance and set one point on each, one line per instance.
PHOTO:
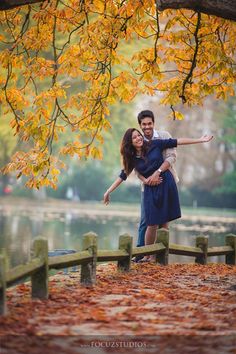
(221, 8)
(10, 4)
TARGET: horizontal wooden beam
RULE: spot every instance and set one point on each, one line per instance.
(69, 260)
(184, 250)
(23, 271)
(219, 251)
(111, 255)
(150, 249)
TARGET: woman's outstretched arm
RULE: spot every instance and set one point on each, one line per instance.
(187, 141)
(106, 197)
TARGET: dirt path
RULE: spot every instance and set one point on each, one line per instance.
(151, 309)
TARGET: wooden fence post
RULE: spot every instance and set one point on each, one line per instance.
(3, 305)
(39, 279)
(125, 243)
(230, 240)
(3, 252)
(163, 237)
(88, 270)
(202, 242)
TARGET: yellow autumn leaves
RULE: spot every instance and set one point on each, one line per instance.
(63, 65)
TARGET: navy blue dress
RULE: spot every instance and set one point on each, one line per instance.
(161, 202)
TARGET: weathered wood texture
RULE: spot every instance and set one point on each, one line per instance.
(38, 267)
(184, 250)
(69, 260)
(149, 249)
(3, 306)
(111, 255)
(125, 244)
(39, 278)
(88, 269)
(22, 271)
(230, 240)
(219, 251)
(163, 237)
(202, 243)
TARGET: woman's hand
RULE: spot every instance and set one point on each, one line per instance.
(106, 198)
(115, 184)
(144, 180)
(205, 138)
(189, 141)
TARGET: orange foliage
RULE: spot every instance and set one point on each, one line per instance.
(62, 66)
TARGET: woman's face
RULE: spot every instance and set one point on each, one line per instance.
(137, 139)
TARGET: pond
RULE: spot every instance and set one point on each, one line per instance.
(64, 228)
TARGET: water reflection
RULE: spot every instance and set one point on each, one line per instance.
(65, 230)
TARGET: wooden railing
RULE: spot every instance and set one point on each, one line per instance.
(88, 257)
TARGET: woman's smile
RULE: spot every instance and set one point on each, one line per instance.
(137, 139)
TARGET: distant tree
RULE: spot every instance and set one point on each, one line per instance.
(51, 47)
(8, 144)
(228, 146)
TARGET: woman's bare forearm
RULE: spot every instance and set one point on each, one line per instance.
(115, 184)
(188, 141)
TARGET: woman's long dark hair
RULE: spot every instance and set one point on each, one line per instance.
(128, 152)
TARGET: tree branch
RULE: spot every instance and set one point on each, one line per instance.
(10, 4)
(221, 8)
(188, 78)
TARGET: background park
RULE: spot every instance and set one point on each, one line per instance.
(73, 76)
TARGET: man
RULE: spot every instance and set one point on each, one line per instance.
(146, 122)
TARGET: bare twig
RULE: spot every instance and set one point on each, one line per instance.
(188, 78)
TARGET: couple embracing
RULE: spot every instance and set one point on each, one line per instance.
(152, 155)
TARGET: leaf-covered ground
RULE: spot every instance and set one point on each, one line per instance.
(177, 308)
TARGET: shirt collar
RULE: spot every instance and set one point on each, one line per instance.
(155, 136)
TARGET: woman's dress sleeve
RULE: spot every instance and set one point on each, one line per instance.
(165, 143)
(123, 175)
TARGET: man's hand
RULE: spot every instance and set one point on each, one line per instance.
(154, 179)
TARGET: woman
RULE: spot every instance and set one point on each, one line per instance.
(161, 202)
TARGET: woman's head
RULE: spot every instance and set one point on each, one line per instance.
(132, 139)
(131, 143)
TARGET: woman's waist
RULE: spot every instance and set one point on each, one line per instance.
(150, 173)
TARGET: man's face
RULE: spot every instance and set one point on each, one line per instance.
(147, 127)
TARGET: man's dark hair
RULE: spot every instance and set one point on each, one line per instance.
(145, 114)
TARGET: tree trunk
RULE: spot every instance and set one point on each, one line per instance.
(10, 4)
(221, 8)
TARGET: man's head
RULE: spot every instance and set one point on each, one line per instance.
(146, 122)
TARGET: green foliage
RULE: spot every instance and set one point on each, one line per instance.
(89, 182)
(88, 178)
(229, 124)
(219, 197)
(121, 118)
(229, 184)
(227, 188)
